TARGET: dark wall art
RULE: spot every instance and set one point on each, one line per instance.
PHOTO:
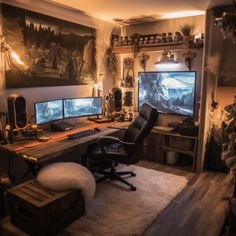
(53, 52)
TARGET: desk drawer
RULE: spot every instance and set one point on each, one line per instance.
(181, 143)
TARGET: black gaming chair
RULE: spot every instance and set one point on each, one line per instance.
(104, 155)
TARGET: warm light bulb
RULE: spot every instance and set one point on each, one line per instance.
(17, 58)
(166, 66)
(182, 14)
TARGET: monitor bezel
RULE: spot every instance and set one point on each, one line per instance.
(83, 115)
(169, 113)
(35, 117)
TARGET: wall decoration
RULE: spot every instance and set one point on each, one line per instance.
(143, 58)
(128, 99)
(128, 73)
(55, 52)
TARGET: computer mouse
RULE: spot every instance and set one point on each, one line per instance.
(97, 129)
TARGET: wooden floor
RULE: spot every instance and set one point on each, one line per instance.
(198, 210)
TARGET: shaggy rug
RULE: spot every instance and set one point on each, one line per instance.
(117, 211)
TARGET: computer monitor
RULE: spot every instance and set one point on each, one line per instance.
(48, 111)
(79, 107)
(171, 92)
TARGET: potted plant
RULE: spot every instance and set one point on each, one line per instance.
(187, 31)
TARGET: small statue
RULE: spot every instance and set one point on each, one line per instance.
(125, 41)
(114, 40)
(143, 60)
(178, 37)
(130, 41)
(163, 38)
(140, 40)
(120, 41)
(151, 40)
(145, 41)
(158, 38)
(169, 37)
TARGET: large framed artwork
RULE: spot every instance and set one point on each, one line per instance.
(54, 52)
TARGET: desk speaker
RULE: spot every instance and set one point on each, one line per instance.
(117, 96)
(17, 111)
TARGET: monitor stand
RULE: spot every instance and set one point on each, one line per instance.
(100, 120)
(61, 126)
(94, 119)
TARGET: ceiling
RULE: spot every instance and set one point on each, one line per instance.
(136, 11)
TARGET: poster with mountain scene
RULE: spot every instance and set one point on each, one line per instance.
(54, 52)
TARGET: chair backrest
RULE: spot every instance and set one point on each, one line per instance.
(142, 125)
(139, 129)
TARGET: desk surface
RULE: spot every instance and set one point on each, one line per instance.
(38, 152)
(165, 130)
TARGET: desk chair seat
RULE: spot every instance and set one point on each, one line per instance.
(105, 154)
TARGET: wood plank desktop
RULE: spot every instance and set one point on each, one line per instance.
(38, 152)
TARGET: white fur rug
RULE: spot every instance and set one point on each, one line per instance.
(117, 211)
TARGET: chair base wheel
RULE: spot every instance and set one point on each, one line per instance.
(133, 188)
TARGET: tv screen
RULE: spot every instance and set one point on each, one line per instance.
(78, 107)
(169, 92)
(48, 111)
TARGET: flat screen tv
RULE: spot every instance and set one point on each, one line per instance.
(171, 92)
(48, 111)
(78, 107)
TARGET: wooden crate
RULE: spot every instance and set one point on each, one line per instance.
(181, 143)
(40, 211)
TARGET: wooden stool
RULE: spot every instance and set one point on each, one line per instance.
(40, 211)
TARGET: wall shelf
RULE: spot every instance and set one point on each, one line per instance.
(153, 47)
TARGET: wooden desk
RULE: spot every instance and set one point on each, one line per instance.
(37, 152)
(170, 141)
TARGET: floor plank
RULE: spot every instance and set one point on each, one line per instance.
(198, 210)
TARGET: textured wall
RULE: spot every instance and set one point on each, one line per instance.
(46, 93)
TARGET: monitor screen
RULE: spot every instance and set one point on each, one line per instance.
(170, 92)
(48, 111)
(78, 107)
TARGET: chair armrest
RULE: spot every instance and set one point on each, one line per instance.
(129, 144)
(118, 127)
(107, 140)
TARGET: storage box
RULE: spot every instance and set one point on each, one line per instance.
(40, 211)
(181, 143)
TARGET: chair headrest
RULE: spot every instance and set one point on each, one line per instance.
(149, 112)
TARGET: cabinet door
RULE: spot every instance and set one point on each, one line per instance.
(152, 147)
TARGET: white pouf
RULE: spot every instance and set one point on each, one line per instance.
(63, 176)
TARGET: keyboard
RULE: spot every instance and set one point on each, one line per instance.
(81, 134)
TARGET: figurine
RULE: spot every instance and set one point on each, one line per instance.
(151, 40)
(145, 41)
(141, 40)
(125, 41)
(130, 41)
(178, 37)
(169, 37)
(163, 38)
(120, 41)
(158, 38)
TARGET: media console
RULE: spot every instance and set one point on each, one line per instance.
(162, 140)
